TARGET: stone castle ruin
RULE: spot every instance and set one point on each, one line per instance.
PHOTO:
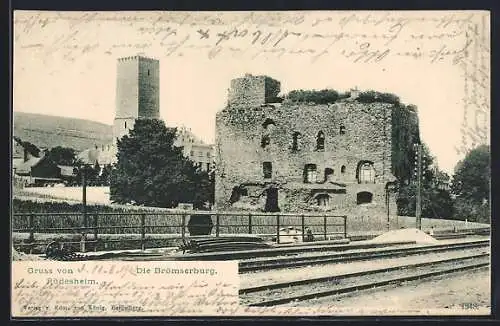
(299, 157)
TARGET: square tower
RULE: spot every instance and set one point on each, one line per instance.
(137, 92)
(253, 90)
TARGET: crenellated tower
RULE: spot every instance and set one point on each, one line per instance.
(137, 92)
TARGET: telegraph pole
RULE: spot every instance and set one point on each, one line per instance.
(418, 208)
(84, 206)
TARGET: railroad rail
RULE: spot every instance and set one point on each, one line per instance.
(288, 292)
(290, 262)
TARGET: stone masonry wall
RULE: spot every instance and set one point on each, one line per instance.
(127, 87)
(252, 90)
(239, 154)
(149, 88)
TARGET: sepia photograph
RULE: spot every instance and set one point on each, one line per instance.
(250, 163)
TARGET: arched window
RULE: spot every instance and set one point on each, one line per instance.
(237, 193)
(364, 197)
(310, 173)
(320, 141)
(342, 169)
(268, 124)
(267, 169)
(323, 200)
(342, 130)
(296, 141)
(365, 172)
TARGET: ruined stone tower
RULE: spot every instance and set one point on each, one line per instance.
(137, 92)
(299, 156)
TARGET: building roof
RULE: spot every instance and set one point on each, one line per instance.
(25, 167)
(17, 149)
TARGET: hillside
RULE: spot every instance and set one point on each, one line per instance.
(50, 131)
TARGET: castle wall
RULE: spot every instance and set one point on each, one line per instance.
(149, 88)
(239, 155)
(127, 87)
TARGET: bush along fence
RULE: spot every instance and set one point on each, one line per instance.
(94, 230)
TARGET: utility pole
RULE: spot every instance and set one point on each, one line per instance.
(84, 207)
(84, 199)
(418, 208)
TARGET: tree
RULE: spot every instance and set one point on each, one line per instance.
(324, 96)
(29, 147)
(93, 174)
(151, 171)
(104, 178)
(471, 185)
(436, 201)
(61, 155)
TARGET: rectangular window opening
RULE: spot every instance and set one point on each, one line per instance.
(267, 169)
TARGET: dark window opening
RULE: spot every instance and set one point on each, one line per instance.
(310, 173)
(268, 124)
(265, 141)
(323, 200)
(208, 166)
(125, 124)
(272, 200)
(364, 197)
(342, 130)
(296, 141)
(328, 174)
(267, 169)
(365, 172)
(342, 169)
(320, 141)
(148, 72)
(237, 193)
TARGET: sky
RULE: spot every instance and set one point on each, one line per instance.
(65, 64)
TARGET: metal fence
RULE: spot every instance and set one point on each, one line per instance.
(93, 228)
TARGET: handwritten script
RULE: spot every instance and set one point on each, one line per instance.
(356, 37)
(124, 289)
(390, 39)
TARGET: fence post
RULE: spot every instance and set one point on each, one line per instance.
(324, 226)
(345, 227)
(96, 230)
(183, 226)
(303, 223)
(277, 228)
(143, 232)
(249, 223)
(217, 225)
(31, 227)
(83, 238)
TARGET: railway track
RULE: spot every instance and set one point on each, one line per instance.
(288, 262)
(288, 292)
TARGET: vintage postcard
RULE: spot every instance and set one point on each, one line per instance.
(319, 163)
